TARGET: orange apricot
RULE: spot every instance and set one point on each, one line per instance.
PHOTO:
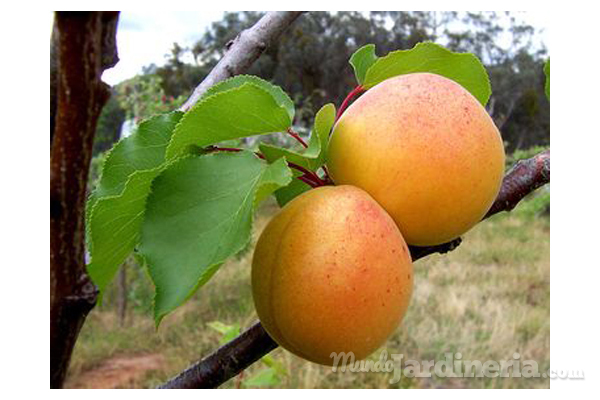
(331, 273)
(426, 150)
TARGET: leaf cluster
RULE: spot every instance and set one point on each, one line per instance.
(183, 203)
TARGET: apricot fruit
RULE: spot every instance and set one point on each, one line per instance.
(331, 273)
(426, 150)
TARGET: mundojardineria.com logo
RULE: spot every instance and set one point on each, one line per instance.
(452, 366)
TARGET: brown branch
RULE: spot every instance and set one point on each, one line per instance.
(250, 346)
(244, 50)
(53, 78)
(296, 136)
(526, 176)
(226, 362)
(84, 45)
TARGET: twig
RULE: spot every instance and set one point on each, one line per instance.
(244, 50)
(308, 174)
(526, 176)
(328, 180)
(241, 352)
(355, 92)
(84, 45)
(297, 137)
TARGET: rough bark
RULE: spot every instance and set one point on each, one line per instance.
(244, 50)
(250, 346)
(53, 79)
(84, 45)
(526, 176)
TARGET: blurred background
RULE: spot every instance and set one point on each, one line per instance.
(487, 300)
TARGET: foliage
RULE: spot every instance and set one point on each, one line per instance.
(143, 96)
(178, 78)
(228, 332)
(231, 112)
(174, 193)
(190, 229)
(108, 130)
(464, 68)
(129, 188)
(522, 154)
(115, 209)
(309, 60)
(95, 170)
(547, 73)
(537, 204)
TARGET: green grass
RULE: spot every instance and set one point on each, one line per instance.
(487, 300)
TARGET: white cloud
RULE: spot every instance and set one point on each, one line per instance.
(145, 37)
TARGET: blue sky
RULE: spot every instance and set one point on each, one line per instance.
(145, 37)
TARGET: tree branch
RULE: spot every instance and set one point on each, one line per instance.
(83, 45)
(226, 362)
(250, 346)
(523, 178)
(244, 50)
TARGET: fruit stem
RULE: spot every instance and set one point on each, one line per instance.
(355, 92)
(313, 177)
(310, 183)
(328, 179)
(296, 136)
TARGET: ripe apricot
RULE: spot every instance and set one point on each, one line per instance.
(331, 273)
(426, 150)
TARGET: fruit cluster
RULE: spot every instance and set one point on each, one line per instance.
(415, 160)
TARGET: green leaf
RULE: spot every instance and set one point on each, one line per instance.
(270, 362)
(198, 214)
(324, 121)
(314, 156)
(291, 191)
(274, 153)
(266, 377)
(361, 61)
(547, 72)
(463, 68)
(228, 332)
(143, 150)
(278, 94)
(276, 175)
(115, 210)
(115, 225)
(242, 111)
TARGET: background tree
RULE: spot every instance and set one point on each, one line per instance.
(310, 61)
(108, 131)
